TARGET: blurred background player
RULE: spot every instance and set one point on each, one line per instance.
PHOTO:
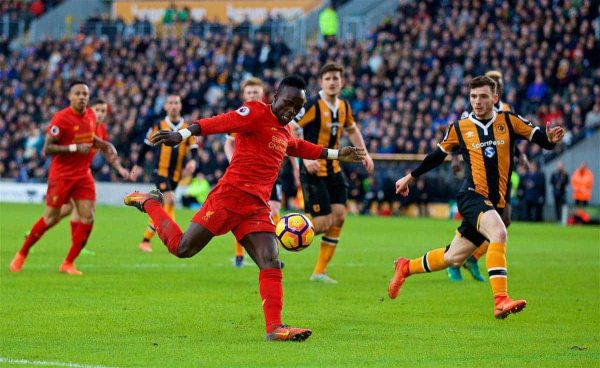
(323, 182)
(169, 162)
(70, 141)
(238, 203)
(100, 108)
(471, 263)
(485, 139)
(252, 89)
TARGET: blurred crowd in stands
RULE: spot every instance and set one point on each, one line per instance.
(405, 83)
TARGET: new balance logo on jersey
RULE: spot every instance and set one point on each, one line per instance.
(487, 144)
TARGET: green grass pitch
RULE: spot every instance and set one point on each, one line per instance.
(154, 310)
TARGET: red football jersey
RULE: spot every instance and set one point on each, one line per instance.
(261, 143)
(71, 128)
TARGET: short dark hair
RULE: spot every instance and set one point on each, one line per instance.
(481, 81)
(99, 102)
(293, 80)
(76, 82)
(331, 67)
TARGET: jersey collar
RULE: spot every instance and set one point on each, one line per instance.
(333, 109)
(173, 126)
(480, 124)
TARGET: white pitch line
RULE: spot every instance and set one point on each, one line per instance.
(49, 364)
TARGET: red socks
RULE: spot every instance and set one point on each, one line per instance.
(167, 229)
(271, 293)
(79, 235)
(36, 232)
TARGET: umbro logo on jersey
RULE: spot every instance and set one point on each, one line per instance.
(469, 134)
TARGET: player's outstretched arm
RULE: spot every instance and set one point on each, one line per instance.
(433, 160)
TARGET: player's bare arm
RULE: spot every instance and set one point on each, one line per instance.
(51, 147)
(107, 148)
(357, 139)
(171, 139)
(430, 162)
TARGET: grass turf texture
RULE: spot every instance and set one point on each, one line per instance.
(134, 309)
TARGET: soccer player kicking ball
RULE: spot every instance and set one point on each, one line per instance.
(69, 140)
(486, 140)
(239, 202)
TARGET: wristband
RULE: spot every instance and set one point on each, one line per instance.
(72, 147)
(185, 134)
(333, 154)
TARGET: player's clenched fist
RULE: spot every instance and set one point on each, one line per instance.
(167, 138)
(402, 185)
(352, 154)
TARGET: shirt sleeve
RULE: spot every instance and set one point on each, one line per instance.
(238, 121)
(56, 129)
(350, 122)
(306, 115)
(522, 127)
(450, 142)
(303, 149)
(151, 131)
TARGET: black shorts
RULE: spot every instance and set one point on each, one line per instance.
(471, 206)
(320, 192)
(165, 184)
(277, 191)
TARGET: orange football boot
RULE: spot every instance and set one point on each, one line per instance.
(69, 268)
(17, 263)
(137, 199)
(287, 333)
(503, 306)
(400, 274)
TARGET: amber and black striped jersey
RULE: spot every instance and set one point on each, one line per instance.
(322, 124)
(169, 160)
(488, 149)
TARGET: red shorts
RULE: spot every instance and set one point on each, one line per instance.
(61, 190)
(229, 209)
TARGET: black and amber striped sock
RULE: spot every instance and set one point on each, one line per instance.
(329, 242)
(496, 265)
(149, 232)
(481, 250)
(432, 261)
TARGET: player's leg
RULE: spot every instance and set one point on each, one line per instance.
(50, 218)
(262, 248)
(435, 260)
(180, 244)
(81, 231)
(167, 188)
(492, 227)
(337, 196)
(57, 194)
(66, 209)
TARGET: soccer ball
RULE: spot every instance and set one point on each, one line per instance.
(295, 232)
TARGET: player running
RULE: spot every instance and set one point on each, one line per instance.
(100, 108)
(169, 162)
(238, 203)
(323, 182)
(70, 140)
(486, 141)
(471, 262)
